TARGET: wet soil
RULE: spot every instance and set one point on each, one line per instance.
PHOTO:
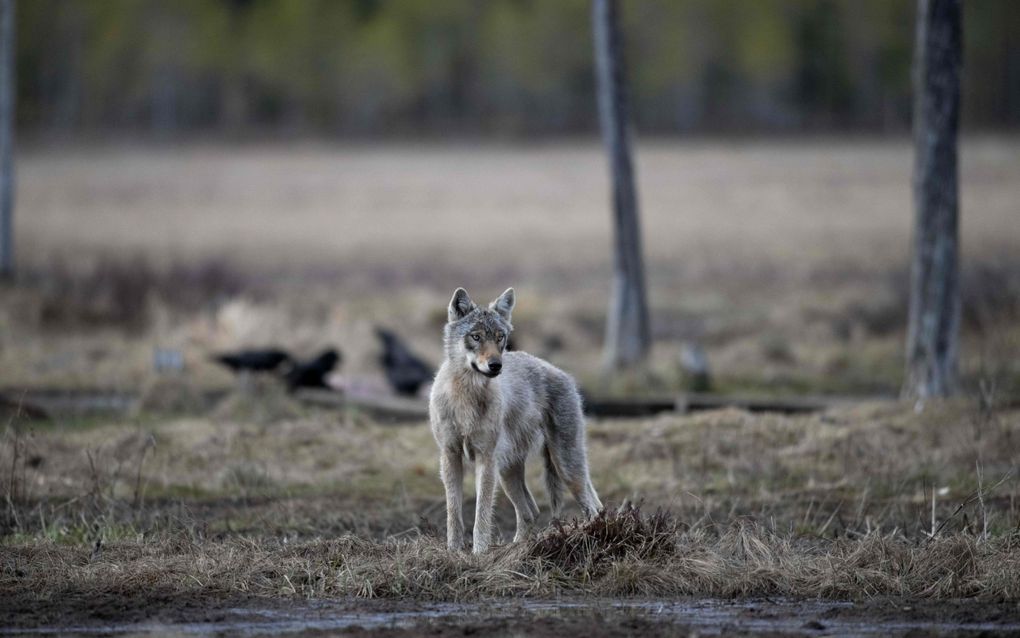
(154, 612)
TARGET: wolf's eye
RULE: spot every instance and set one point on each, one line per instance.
(501, 338)
(476, 337)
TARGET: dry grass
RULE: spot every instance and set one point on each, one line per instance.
(253, 463)
(838, 505)
(743, 559)
(785, 260)
(122, 292)
(778, 204)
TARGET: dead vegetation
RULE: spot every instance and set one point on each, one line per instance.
(664, 558)
(851, 504)
(784, 261)
(122, 292)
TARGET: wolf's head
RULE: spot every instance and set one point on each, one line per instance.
(475, 337)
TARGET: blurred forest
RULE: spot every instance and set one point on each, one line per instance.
(506, 67)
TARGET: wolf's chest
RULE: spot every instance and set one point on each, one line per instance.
(472, 411)
(470, 417)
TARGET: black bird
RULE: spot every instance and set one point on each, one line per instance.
(313, 373)
(405, 371)
(257, 360)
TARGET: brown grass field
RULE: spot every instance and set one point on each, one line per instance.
(785, 260)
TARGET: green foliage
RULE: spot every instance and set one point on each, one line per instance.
(503, 65)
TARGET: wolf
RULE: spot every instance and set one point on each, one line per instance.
(495, 408)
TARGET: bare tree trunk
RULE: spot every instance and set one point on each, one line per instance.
(7, 102)
(627, 335)
(934, 323)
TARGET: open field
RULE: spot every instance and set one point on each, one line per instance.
(785, 261)
(524, 210)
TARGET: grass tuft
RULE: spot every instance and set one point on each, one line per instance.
(590, 545)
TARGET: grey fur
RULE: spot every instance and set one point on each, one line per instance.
(496, 408)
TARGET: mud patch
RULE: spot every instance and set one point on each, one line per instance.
(564, 617)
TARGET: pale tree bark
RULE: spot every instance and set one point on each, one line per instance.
(628, 338)
(7, 103)
(934, 321)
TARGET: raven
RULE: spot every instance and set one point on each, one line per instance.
(312, 373)
(256, 360)
(405, 371)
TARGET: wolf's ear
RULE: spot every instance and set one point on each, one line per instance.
(504, 304)
(460, 305)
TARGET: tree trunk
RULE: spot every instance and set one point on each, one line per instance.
(7, 101)
(934, 322)
(627, 335)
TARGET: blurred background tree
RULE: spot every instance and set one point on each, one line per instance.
(503, 67)
(628, 335)
(933, 334)
(7, 103)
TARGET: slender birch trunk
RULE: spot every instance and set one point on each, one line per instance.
(934, 320)
(628, 338)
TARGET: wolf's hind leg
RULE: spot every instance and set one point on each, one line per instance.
(532, 505)
(512, 479)
(570, 461)
(553, 483)
(579, 481)
(575, 471)
(584, 492)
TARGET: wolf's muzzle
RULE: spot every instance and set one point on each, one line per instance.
(494, 369)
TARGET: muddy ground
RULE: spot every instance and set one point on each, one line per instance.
(154, 613)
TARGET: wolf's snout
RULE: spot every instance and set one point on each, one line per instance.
(495, 366)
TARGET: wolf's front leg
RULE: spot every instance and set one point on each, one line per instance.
(451, 469)
(485, 469)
